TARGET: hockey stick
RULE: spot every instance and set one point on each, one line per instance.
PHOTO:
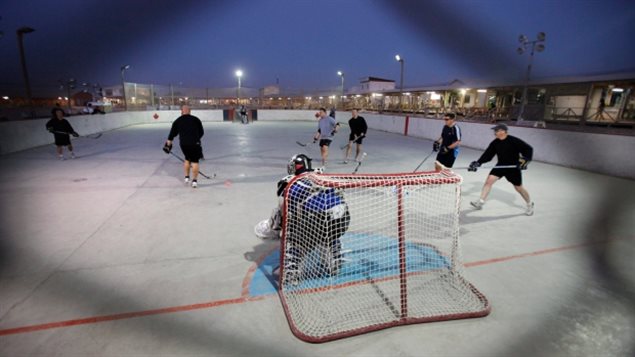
(199, 171)
(440, 167)
(354, 141)
(424, 160)
(91, 136)
(359, 163)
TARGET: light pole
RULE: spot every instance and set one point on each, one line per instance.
(123, 86)
(537, 45)
(20, 33)
(400, 60)
(341, 74)
(239, 74)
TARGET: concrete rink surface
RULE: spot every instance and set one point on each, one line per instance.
(110, 254)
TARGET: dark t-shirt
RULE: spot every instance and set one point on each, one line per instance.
(189, 128)
(358, 126)
(508, 151)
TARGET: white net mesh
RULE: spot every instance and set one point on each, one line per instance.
(365, 252)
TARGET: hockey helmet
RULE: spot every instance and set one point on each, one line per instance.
(298, 164)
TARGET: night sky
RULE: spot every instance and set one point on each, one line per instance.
(302, 44)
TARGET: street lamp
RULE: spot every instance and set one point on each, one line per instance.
(537, 45)
(20, 33)
(341, 74)
(123, 86)
(400, 60)
(239, 74)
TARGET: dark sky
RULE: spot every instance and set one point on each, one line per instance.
(301, 43)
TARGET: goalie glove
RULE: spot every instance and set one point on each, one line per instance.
(436, 146)
(474, 165)
(522, 163)
(167, 148)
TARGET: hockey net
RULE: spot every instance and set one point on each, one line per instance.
(366, 252)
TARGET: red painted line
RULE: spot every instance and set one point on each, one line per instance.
(240, 300)
(126, 315)
(405, 129)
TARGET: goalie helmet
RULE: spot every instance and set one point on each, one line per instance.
(298, 164)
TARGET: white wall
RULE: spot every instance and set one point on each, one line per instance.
(606, 154)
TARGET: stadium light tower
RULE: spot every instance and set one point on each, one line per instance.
(239, 75)
(20, 33)
(537, 45)
(341, 74)
(400, 60)
(123, 86)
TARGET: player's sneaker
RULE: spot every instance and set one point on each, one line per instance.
(61, 158)
(194, 184)
(72, 155)
(478, 204)
(186, 180)
(530, 209)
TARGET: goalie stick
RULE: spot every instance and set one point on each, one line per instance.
(92, 136)
(424, 160)
(440, 167)
(199, 171)
(359, 163)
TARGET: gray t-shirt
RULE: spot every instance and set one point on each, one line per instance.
(326, 126)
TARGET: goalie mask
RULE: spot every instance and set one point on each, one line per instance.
(298, 164)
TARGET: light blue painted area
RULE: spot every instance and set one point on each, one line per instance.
(361, 263)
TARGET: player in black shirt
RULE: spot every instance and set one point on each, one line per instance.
(510, 150)
(61, 129)
(448, 144)
(358, 133)
(190, 130)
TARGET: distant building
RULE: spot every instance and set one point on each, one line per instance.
(373, 84)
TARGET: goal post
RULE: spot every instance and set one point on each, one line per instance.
(361, 253)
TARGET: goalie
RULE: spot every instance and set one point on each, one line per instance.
(316, 219)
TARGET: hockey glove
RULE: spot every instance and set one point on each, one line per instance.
(435, 146)
(444, 149)
(522, 163)
(167, 148)
(474, 165)
(75, 134)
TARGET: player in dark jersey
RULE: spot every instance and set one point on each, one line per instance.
(358, 133)
(509, 150)
(190, 131)
(61, 129)
(448, 144)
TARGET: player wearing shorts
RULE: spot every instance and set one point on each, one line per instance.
(509, 150)
(448, 144)
(190, 131)
(327, 127)
(61, 130)
(358, 133)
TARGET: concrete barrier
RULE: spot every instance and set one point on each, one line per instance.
(601, 153)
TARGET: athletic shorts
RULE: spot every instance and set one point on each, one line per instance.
(62, 139)
(351, 137)
(446, 159)
(192, 153)
(512, 175)
(325, 142)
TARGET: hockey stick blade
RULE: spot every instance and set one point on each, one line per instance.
(359, 163)
(200, 173)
